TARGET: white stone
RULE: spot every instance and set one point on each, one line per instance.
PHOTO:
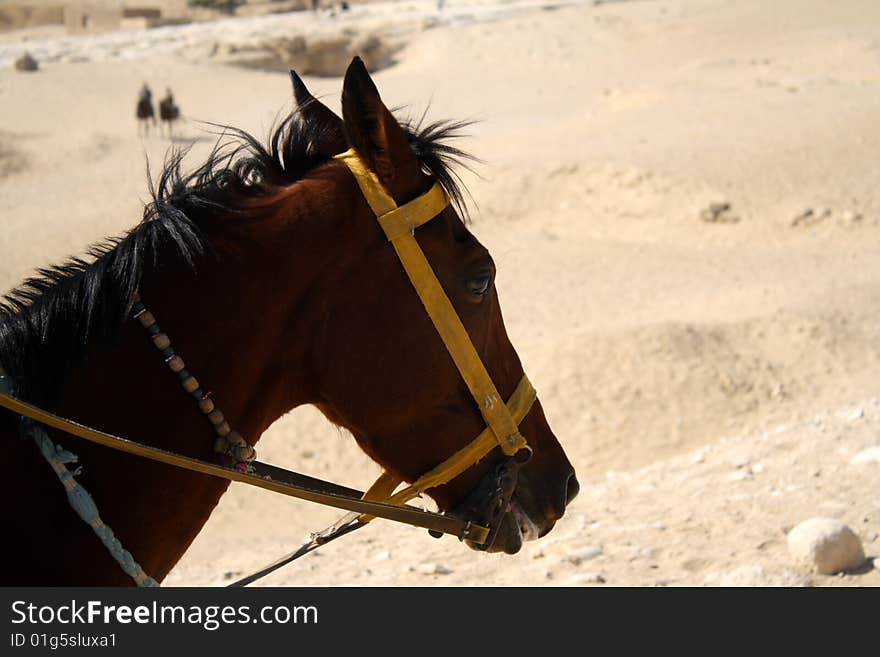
(827, 545)
(850, 218)
(853, 414)
(870, 455)
(433, 569)
(587, 578)
(585, 554)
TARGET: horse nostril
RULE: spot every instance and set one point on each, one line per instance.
(571, 489)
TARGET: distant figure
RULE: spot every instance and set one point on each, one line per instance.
(145, 113)
(344, 6)
(315, 5)
(168, 112)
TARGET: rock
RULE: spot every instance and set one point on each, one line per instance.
(718, 212)
(376, 52)
(26, 63)
(756, 576)
(321, 54)
(827, 545)
(585, 554)
(870, 455)
(587, 578)
(430, 22)
(325, 56)
(802, 217)
(432, 569)
(331, 55)
(810, 217)
(850, 218)
(853, 414)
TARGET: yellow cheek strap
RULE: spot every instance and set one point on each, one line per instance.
(399, 224)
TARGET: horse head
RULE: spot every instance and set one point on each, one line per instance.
(381, 369)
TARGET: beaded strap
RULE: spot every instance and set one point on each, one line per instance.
(229, 443)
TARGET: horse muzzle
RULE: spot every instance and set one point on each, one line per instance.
(493, 504)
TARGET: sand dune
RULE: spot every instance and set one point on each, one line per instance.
(710, 380)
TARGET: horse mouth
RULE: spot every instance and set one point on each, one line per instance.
(514, 529)
(502, 505)
(528, 530)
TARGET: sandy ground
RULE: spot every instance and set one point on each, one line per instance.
(711, 381)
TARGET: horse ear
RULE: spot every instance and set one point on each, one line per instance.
(375, 134)
(328, 128)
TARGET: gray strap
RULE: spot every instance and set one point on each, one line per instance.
(78, 497)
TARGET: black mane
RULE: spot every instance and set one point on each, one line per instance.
(50, 320)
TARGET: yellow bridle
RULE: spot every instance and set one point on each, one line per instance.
(503, 420)
(399, 224)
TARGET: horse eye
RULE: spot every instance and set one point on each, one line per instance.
(480, 285)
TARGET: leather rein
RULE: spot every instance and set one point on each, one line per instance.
(380, 500)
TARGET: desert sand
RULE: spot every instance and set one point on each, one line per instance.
(713, 376)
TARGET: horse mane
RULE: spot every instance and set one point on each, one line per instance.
(49, 321)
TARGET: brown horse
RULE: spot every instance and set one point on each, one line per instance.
(270, 272)
(169, 112)
(144, 111)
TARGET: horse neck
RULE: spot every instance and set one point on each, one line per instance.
(228, 320)
(227, 324)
